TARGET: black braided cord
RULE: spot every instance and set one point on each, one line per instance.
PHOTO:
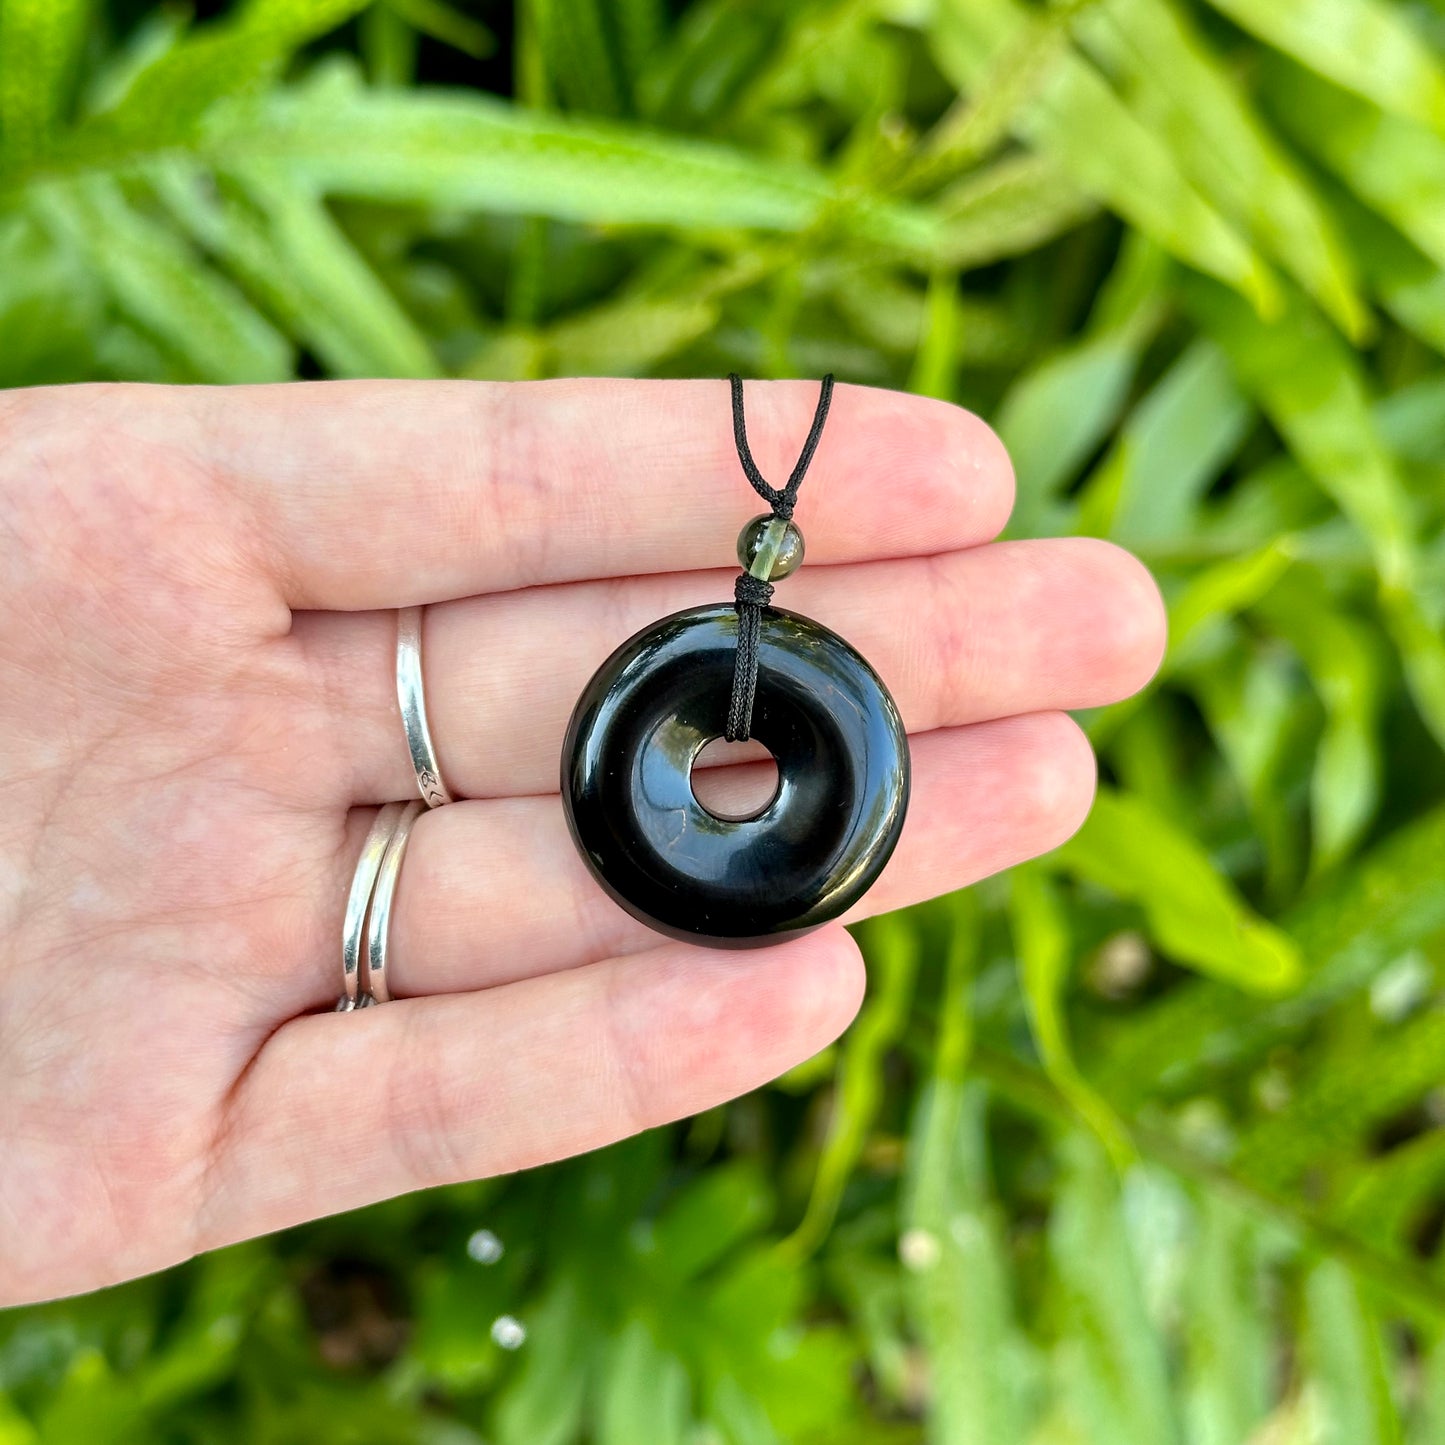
(751, 593)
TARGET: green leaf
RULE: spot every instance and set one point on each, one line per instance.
(742, 1418)
(1310, 387)
(1260, 717)
(447, 24)
(454, 1304)
(1227, 1363)
(935, 366)
(1041, 939)
(1054, 417)
(1218, 592)
(722, 1208)
(716, 49)
(15, 1429)
(1343, 663)
(1367, 46)
(1396, 166)
(388, 44)
(1200, 611)
(51, 308)
(893, 958)
(1328, 1120)
(164, 103)
(40, 43)
(956, 1275)
(1181, 90)
(641, 29)
(364, 323)
(577, 52)
(154, 278)
(1345, 932)
(1128, 848)
(643, 1392)
(1389, 1198)
(625, 337)
(1348, 1361)
(1011, 206)
(1429, 1425)
(284, 247)
(1409, 285)
(1109, 1357)
(1108, 154)
(976, 125)
(543, 1403)
(1175, 442)
(423, 150)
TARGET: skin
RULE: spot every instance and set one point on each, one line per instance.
(199, 714)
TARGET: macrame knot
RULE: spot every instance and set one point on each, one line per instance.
(752, 591)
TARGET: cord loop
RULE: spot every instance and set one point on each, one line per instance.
(752, 593)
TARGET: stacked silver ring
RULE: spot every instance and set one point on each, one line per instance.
(366, 927)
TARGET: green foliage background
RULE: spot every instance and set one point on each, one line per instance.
(1141, 1144)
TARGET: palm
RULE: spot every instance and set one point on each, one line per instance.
(195, 677)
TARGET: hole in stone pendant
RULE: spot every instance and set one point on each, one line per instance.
(734, 781)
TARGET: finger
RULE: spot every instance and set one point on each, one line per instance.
(982, 633)
(382, 493)
(339, 1110)
(494, 891)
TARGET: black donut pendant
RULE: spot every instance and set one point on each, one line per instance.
(738, 670)
(817, 846)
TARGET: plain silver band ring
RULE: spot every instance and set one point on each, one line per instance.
(412, 697)
(378, 920)
(363, 882)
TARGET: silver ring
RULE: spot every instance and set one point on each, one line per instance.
(412, 697)
(378, 920)
(363, 882)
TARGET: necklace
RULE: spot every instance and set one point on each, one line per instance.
(738, 670)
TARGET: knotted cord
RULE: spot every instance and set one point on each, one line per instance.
(751, 594)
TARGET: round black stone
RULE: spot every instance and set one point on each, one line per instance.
(813, 851)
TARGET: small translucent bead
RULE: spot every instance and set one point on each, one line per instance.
(770, 548)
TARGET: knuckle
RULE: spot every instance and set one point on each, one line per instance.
(426, 1119)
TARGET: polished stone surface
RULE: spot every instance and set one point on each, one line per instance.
(770, 548)
(843, 772)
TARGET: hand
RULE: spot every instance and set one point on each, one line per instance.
(197, 696)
